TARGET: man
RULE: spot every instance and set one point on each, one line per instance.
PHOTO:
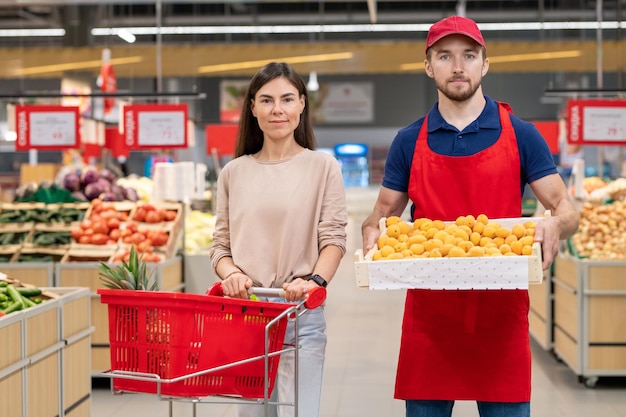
(468, 155)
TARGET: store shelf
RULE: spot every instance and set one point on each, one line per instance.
(589, 306)
(44, 368)
(540, 315)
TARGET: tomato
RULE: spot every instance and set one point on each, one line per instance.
(153, 217)
(113, 223)
(100, 228)
(132, 226)
(86, 224)
(76, 233)
(144, 247)
(148, 207)
(88, 232)
(140, 214)
(108, 214)
(115, 234)
(99, 239)
(160, 239)
(137, 237)
(170, 215)
(85, 239)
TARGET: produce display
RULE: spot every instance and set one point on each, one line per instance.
(602, 232)
(199, 228)
(53, 213)
(466, 237)
(104, 226)
(15, 297)
(601, 191)
(91, 183)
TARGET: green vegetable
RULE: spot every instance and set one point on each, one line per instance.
(15, 306)
(29, 291)
(15, 296)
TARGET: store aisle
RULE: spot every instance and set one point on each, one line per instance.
(364, 332)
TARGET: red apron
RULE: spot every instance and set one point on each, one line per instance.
(466, 345)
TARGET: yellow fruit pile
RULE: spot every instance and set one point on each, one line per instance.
(466, 237)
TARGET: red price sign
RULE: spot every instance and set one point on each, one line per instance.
(47, 127)
(149, 126)
(596, 122)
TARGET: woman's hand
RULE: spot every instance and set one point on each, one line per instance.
(236, 285)
(297, 289)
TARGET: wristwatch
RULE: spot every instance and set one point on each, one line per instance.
(318, 280)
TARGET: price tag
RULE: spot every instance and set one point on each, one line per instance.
(597, 122)
(47, 127)
(155, 126)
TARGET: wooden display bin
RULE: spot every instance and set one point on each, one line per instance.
(169, 276)
(540, 313)
(42, 391)
(44, 353)
(589, 302)
(39, 274)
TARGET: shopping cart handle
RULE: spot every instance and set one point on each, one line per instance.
(313, 299)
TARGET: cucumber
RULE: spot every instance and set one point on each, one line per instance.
(14, 306)
(29, 291)
(15, 296)
(27, 302)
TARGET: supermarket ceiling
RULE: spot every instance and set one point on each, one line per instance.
(45, 37)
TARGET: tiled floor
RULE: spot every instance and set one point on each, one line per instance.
(363, 332)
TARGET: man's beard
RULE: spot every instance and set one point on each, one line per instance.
(455, 94)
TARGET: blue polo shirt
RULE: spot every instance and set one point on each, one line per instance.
(535, 158)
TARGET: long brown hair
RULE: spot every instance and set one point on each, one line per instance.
(250, 135)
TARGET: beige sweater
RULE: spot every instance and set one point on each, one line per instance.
(273, 218)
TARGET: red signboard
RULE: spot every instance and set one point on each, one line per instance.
(114, 142)
(550, 132)
(221, 138)
(596, 122)
(47, 128)
(109, 85)
(155, 126)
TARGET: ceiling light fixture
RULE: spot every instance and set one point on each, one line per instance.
(31, 33)
(71, 66)
(352, 28)
(290, 60)
(127, 36)
(313, 85)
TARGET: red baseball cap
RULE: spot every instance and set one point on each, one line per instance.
(454, 25)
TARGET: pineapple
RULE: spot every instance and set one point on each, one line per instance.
(131, 275)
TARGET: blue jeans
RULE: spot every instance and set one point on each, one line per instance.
(424, 408)
(312, 342)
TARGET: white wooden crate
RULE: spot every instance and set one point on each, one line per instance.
(487, 272)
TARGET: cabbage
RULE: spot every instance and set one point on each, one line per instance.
(108, 175)
(79, 195)
(71, 182)
(118, 191)
(131, 194)
(89, 176)
(108, 196)
(104, 183)
(94, 190)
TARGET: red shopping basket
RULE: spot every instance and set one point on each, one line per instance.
(177, 334)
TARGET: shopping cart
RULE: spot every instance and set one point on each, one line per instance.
(187, 347)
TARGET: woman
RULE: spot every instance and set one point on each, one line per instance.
(280, 221)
